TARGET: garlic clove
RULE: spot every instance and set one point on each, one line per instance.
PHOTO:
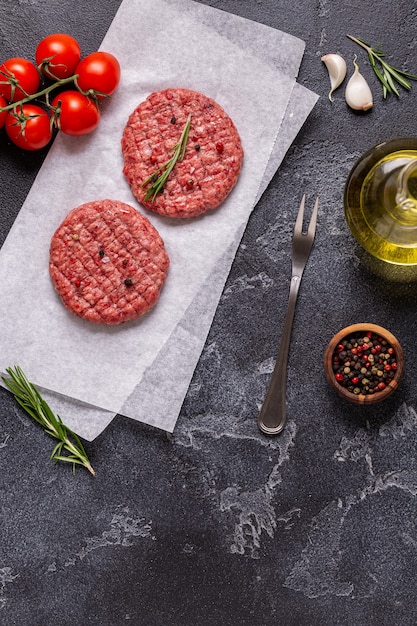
(336, 66)
(358, 94)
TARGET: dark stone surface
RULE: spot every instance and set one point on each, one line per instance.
(216, 524)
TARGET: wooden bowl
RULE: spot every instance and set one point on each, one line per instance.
(334, 350)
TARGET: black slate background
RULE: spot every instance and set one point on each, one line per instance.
(216, 524)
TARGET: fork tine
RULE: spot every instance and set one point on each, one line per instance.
(299, 221)
(312, 226)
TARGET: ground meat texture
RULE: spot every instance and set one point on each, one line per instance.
(107, 262)
(212, 161)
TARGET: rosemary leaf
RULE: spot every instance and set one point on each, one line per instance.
(68, 459)
(387, 74)
(158, 182)
(56, 450)
(391, 82)
(29, 398)
(400, 79)
(380, 75)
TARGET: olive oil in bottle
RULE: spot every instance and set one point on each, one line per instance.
(381, 202)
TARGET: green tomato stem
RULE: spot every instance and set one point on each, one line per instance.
(39, 94)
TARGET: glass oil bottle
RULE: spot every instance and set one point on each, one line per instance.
(380, 201)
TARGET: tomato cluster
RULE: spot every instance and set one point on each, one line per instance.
(28, 109)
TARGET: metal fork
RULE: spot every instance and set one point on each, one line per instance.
(272, 416)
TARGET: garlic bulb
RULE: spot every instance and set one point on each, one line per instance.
(358, 94)
(336, 66)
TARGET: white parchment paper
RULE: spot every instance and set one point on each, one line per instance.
(95, 372)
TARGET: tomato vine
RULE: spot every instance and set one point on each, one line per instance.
(27, 110)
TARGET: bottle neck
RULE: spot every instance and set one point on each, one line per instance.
(406, 195)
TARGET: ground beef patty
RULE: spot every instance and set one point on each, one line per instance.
(212, 161)
(107, 262)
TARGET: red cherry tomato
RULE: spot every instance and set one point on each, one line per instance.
(58, 55)
(18, 78)
(98, 74)
(29, 127)
(3, 114)
(75, 114)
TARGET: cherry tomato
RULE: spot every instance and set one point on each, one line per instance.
(3, 114)
(75, 114)
(18, 78)
(58, 55)
(98, 72)
(29, 127)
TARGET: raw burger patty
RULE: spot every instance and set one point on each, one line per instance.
(212, 161)
(107, 262)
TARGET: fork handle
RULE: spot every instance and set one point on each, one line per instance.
(272, 416)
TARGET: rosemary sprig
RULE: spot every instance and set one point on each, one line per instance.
(386, 73)
(158, 182)
(29, 398)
